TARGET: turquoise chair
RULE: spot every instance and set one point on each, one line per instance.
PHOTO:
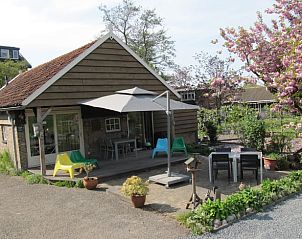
(161, 146)
(77, 157)
(179, 146)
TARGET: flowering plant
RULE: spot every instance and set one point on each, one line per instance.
(135, 186)
(88, 168)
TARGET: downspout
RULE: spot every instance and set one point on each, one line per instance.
(14, 139)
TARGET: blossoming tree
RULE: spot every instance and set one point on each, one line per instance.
(273, 52)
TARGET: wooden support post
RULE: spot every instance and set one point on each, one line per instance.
(41, 141)
(40, 119)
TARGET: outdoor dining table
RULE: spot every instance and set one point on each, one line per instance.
(236, 156)
(124, 141)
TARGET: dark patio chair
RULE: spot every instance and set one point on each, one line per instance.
(249, 162)
(221, 162)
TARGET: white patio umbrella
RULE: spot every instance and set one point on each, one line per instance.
(136, 100)
(140, 100)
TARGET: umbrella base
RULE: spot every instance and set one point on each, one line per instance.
(165, 180)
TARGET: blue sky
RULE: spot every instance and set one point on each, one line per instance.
(49, 28)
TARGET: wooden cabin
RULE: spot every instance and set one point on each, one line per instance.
(57, 89)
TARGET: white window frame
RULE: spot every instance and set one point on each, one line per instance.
(6, 52)
(15, 52)
(187, 95)
(4, 133)
(112, 123)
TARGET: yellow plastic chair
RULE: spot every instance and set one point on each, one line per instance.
(63, 162)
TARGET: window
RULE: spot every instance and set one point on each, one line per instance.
(68, 132)
(4, 53)
(113, 124)
(15, 54)
(4, 133)
(188, 95)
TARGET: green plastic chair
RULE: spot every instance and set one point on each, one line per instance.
(77, 157)
(179, 145)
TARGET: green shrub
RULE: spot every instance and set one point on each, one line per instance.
(283, 163)
(211, 130)
(201, 219)
(6, 165)
(252, 132)
(79, 184)
(36, 179)
(196, 148)
(65, 183)
(25, 174)
(281, 141)
(69, 184)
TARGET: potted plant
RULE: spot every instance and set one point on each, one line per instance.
(137, 189)
(89, 182)
(270, 161)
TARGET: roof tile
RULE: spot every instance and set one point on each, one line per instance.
(28, 82)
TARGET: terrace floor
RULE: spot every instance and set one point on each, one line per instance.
(110, 168)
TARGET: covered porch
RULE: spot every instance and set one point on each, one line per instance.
(112, 168)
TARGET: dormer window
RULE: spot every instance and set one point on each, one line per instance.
(4, 53)
(15, 54)
(187, 95)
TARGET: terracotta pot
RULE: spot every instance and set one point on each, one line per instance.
(270, 164)
(90, 182)
(138, 201)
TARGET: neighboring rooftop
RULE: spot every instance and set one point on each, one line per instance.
(257, 94)
(12, 53)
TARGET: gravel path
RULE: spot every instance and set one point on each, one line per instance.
(44, 211)
(282, 221)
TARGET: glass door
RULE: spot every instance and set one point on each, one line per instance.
(68, 132)
(61, 134)
(49, 141)
(140, 127)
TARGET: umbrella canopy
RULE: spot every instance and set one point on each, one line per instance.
(136, 100)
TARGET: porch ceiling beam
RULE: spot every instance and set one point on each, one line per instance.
(46, 113)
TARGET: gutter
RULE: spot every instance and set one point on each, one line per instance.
(12, 108)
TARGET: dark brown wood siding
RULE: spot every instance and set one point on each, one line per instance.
(107, 69)
(185, 122)
(185, 125)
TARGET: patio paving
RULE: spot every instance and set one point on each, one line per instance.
(167, 201)
(173, 200)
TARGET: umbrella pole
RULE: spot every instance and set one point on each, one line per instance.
(168, 134)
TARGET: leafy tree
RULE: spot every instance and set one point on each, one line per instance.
(182, 78)
(143, 31)
(273, 52)
(217, 76)
(10, 69)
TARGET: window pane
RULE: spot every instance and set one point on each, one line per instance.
(4, 53)
(68, 132)
(112, 124)
(15, 54)
(49, 138)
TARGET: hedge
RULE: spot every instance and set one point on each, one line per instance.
(202, 219)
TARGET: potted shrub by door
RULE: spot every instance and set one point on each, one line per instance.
(89, 182)
(137, 189)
